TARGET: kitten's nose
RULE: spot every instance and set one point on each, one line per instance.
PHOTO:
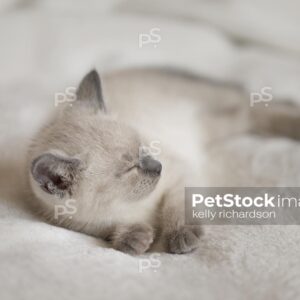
(151, 165)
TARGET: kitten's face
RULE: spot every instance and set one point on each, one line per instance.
(86, 155)
(117, 166)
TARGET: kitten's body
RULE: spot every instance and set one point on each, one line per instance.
(191, 120)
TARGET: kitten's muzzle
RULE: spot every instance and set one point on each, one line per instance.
(150, 165)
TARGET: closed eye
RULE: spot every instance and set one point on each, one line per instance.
(132, 168)
(127, 170)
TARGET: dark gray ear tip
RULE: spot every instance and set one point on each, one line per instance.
(92, 79)
(93, 75)
(94, 72)
(90, 91)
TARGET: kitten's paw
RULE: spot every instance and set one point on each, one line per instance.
(135, 239)
(184, 239)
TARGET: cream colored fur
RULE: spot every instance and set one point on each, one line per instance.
(196, 124)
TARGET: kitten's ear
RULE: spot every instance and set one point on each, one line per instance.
(90, 91)
(56, 174)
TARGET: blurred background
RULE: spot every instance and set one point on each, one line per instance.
(47, 45)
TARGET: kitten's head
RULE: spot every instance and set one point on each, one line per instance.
(87, 155)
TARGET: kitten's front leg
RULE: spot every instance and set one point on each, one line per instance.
(133, 239)
(178, 237)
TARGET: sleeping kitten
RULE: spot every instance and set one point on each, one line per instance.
(104, 166)
(88, 156)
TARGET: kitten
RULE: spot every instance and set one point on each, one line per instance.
(86, 158)
(121, 191)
